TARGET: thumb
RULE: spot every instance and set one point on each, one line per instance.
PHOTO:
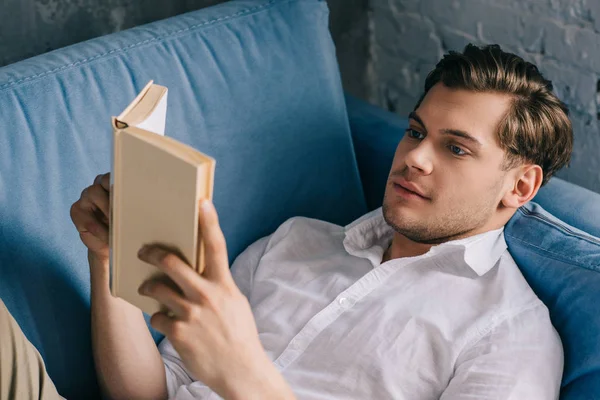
(215, 248)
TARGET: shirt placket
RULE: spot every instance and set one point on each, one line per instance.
(342, 302)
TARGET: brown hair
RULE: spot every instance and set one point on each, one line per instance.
(536, 128)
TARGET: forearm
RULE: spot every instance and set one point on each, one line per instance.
(265, 383)
(127, 361)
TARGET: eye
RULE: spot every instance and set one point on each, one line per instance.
(457, 151)
(414, 134)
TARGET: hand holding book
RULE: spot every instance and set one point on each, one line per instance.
(211, 325)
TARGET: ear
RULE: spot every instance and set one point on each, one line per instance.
(527, 180)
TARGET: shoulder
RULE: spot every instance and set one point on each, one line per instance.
(305, 231)
(519, 313)
(516, 291)
(510, 304)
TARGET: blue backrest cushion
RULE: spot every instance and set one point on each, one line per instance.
(577, 206)
(254, 84)
(558, 253)
(562, 265)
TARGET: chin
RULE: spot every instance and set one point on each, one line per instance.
(400, 219)
(397, 212)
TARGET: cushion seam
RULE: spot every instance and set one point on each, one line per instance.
(544, 219)
(246, 11)
(555, 256)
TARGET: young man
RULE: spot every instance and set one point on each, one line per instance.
(419, 299)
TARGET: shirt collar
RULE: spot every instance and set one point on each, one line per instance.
(369, 236)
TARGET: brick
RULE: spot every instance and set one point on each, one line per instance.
(575, 12)
(385, 30)
(453, 39)
(533, 34)
(401, 71)
(594, 9)
(528, 8)
(587, 43)
(396, 5)
(585, 163)
(424, 45)
(461, 15)
(396, 100)
(407, 34)
(576, 88)
(503, 28)
(558, 45)
(577, 46)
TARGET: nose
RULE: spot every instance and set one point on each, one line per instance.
(419, 158)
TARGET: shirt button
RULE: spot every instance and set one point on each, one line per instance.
(343, 302)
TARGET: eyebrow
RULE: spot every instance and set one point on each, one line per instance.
(453, 132)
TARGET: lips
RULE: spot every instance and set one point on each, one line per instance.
(411, 187)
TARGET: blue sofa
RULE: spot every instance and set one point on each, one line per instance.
(254, 83)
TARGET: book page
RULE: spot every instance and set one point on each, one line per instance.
(157, 119)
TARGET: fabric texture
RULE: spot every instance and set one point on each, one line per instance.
(253, 83)
(457, 322)
(562, 265)
(558, 252)
(22, 371)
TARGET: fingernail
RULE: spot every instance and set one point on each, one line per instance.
(144, 288)
(205, 205)
(143, 250)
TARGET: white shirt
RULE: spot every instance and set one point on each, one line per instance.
(459, 322)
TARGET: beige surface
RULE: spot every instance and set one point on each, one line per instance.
(22, 371)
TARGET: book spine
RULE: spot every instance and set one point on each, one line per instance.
(200, 192)
(113, 251)
(205, 187)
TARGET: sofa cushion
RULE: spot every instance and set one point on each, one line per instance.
(578, 206)
(253, 83)
(562, 265)
(561, 262)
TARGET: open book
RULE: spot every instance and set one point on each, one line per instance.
(157, 184)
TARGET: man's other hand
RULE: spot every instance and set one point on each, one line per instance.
(210, 322)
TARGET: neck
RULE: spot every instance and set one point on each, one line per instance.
(402, 246)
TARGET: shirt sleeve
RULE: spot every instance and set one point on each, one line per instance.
(178, 377)
(520, 358)
(245, 265)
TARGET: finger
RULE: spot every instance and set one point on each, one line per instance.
(97, 179)
(194, 287)
(88, 224)
(165, 294)
(95, 200)
(100, 199)
(163, 323)
(105, 181)
(215, 247)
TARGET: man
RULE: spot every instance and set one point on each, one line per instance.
(419, 299)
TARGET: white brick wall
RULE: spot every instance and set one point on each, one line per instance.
(562, 37)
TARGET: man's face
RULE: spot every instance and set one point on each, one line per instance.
(461, 179)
